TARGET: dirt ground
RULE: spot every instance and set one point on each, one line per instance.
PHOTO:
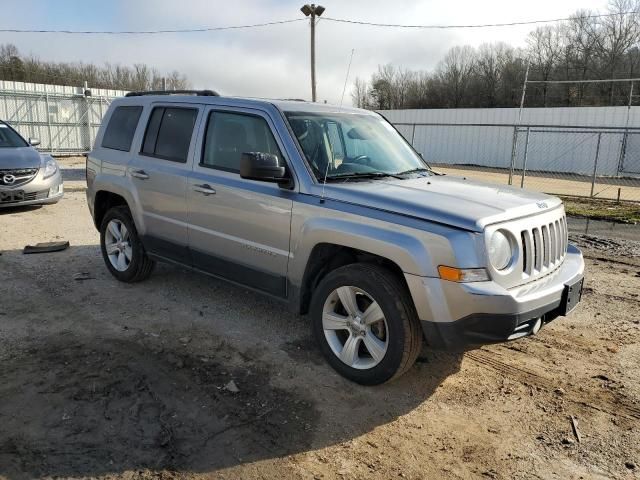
(102, 379)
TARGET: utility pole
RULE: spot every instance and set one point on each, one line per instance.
(313, 11)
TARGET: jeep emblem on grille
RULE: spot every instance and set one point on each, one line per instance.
(541, 204)
(8, 179)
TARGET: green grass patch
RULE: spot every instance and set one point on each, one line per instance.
(597, 209)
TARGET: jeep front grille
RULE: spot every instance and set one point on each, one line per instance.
(543, 247)
(15, 177)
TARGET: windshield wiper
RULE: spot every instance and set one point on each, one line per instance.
(415, 170)
(349, 175)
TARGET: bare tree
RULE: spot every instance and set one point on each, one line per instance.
(546, 47)
(618, 33)
(455, 72)
(360, 93)
(490, 66)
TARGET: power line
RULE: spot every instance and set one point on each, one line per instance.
(152, 32)
(484, 25)
(330, 19)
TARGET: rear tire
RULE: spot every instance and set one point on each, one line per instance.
(365, 323)
(121, 247)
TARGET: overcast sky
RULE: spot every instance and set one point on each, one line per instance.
(270, 61)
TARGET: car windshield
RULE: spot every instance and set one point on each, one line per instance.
(348, 145)
(9, 138)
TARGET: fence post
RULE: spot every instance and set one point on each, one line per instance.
(46, 104)
(514, 147)
(595, 165)
(524, 162)
(413, 136)
(625, 135)
(86, 93)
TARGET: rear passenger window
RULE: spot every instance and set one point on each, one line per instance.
(169, 132)
(229, 135)
(121, 128)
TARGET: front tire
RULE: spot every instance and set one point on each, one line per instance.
(121, 247)
(365, 323)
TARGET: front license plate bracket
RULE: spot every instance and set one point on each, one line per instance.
(571, 296)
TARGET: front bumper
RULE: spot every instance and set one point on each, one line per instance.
(458, 314)
(39, 191)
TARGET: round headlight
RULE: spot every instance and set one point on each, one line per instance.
(500, 251)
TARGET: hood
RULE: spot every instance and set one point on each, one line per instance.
(21, 157)
(450, 200)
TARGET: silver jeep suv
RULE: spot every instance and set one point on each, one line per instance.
(332, 212)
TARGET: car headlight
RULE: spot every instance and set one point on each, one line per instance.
(50, 167)
(500, 252)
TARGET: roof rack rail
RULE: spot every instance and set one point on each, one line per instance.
(199, 93)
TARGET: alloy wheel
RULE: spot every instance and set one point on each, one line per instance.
(117, 242)
(355, 327)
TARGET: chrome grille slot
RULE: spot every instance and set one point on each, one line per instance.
(558, 243)
(553, 247)
(545, 246)
(527, 250)
(537, 249)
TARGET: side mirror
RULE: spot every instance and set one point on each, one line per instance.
(34, 141)
(265, 167)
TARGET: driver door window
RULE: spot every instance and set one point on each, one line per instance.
(229, 135)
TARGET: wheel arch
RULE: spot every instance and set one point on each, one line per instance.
(104, 201)
(111, 195)
(326, 257)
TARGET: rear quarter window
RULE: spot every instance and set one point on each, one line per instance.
(121, 128)
(169, 133)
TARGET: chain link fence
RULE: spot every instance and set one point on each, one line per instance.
(65, 119)
(581, 161)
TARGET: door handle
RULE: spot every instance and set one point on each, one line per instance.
(204, 189)
(141, 174)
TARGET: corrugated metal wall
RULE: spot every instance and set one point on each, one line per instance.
(61, 117)
(561, 139)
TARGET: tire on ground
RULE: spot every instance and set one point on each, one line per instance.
(404, 330)
(141, 265)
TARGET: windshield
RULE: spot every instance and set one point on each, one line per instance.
(9, 138)
(345, 145)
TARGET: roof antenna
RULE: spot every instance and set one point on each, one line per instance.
(347, 77)
(324, 182)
